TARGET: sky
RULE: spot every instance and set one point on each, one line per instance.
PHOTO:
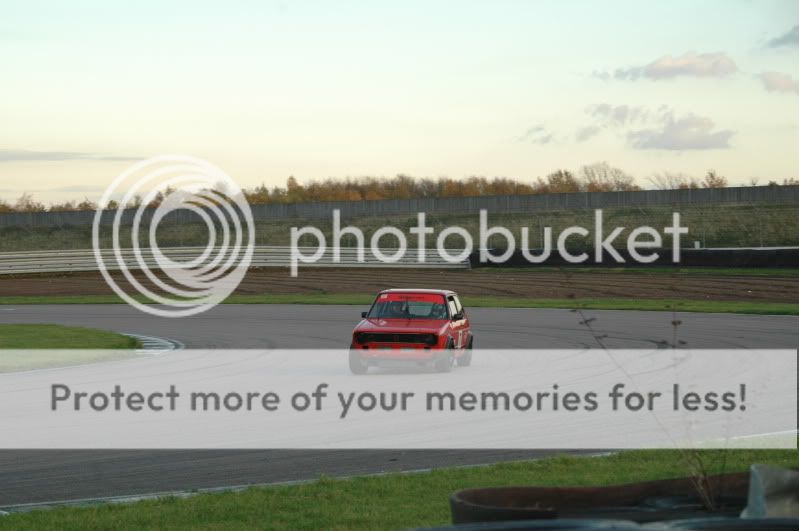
(265, 90)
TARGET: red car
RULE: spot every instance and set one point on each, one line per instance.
(412, 326)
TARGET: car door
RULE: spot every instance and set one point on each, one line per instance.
(460, 323)
(465, 324)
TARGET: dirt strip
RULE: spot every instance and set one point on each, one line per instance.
(507, 283)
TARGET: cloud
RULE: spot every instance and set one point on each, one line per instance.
(779, 82)
(714, 65)
(655, 128)
(691, 132)
(610, 116)
(78, 189)
(616, 115)
(789, 39)
(538, 134)
(65, 189)
(586, 133)
(19, 155)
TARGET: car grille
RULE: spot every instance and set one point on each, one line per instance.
(428, 339)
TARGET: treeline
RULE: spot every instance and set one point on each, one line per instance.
(595, 178)
(600, 177)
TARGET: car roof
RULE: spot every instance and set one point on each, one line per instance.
(408, 290)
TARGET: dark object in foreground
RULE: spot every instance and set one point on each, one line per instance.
(544, 525)
(700, 524)
(651, 501)
(729, 524)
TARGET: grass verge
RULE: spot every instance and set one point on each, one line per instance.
(394, 501)
(719, 225)
(654, 270)
(85, 346)
(760, 308)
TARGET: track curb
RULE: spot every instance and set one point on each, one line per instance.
(152, 345)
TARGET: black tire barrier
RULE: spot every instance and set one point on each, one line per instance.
(752, 258)
(729, 524)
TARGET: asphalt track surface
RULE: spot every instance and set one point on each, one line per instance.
(42, 476)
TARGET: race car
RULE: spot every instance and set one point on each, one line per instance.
(412, 327)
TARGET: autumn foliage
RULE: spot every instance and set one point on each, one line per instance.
(600, 177)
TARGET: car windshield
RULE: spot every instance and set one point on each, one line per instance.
(408, 306)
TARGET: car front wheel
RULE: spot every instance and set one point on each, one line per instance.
(357, 365)
(445, 362)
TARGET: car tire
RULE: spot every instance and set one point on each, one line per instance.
(445, 363)
(466, 358)
(357, 365)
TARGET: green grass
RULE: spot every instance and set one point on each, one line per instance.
(655, 270)
(84, 346)
(727, 225)
(394, 501)
(759, 308)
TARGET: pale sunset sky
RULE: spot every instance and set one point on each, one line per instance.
(265, 90)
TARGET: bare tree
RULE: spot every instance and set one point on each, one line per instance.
(602, 177)
(672, 181)
(714, 180)
(26, 203)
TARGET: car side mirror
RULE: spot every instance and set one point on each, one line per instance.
(457, 316)
(363, 315)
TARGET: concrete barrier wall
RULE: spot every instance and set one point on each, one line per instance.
(393, 207)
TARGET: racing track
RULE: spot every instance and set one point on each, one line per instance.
(37, 476)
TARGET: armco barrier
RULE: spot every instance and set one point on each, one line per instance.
(273, 256)
(263, 256)
(766, 257)
(494, 204)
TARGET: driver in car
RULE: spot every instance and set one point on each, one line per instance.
(438, 311)
(398, 309)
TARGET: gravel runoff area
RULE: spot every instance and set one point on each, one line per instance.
(690, 285)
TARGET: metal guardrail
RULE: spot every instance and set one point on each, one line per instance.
(263, 256)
